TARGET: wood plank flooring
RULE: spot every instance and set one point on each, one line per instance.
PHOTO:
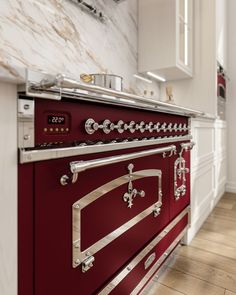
(208, 265)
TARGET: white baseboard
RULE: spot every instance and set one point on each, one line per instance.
(231, 187)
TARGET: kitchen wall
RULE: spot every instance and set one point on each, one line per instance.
(57, 36)
(231, 98)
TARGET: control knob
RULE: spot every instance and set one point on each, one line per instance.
(140, 126)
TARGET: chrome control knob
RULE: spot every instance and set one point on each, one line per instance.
(163, 127)
(175, 127)
(185, 128)
(180, 127)
(91, 126)
(156, 127)
(106, 126)
(130, 127)
(118, 126)
(169, 127)
(148, 127)
(140, 126)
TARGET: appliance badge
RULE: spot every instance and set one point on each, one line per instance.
(149, 260)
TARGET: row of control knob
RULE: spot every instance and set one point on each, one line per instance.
(107, 126)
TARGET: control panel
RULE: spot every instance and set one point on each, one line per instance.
(56, 123)
(81, 123)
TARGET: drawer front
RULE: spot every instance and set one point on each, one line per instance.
(138, 272)
(102, 224)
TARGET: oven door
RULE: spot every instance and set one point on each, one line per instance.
(94, 214)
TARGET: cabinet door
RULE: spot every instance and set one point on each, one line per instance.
(184, 33)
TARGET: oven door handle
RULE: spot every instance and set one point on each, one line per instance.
(79, 166)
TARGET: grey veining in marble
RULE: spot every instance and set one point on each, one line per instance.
(56, 36)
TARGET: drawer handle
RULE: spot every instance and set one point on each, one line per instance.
(132, 192)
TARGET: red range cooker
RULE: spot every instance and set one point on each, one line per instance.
(104, 188)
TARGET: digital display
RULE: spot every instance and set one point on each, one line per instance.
(56, 120)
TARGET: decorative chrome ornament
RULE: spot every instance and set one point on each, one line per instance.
(132, 192)
(180, 171)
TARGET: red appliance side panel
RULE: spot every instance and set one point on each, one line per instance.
(25, 230)
(53, 224)
(136, 275)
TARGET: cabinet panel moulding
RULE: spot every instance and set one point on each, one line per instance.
(203, 161)
(197, 220)
(206, 203)
(202, 183)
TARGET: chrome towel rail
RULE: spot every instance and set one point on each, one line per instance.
(55, 87)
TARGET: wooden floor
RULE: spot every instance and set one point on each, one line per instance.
(208, 265)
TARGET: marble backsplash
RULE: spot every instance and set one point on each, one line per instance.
(56, 36)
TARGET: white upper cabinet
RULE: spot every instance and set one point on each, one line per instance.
(221, 32)
(165, 38)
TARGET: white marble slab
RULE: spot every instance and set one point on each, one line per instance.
(56, 36)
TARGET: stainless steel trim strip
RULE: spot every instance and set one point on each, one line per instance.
(52, 87)
(158, 263)
(78, 255)
(128, 268)
(61, 81)
(29, 156)
(79, 166)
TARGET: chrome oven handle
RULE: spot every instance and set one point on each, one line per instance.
(79, 166)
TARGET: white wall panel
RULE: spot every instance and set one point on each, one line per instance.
(8, 190)
(231, 99)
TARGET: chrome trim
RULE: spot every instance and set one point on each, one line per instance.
(29, 156)
(186, 147)
(25, 120)
(129, 267)
(155, 267)
(55, 87)
(78, 255)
